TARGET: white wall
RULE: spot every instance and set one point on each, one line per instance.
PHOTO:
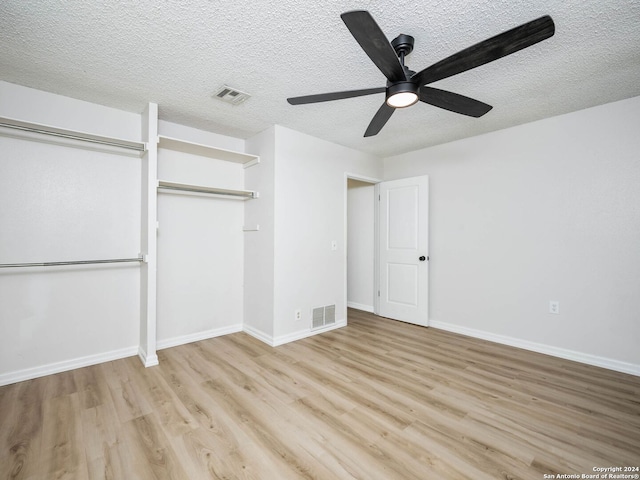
(544, 211)
(175, 130)
(289, 263)
(360, 245)
(61, 202)
(23, 103)
(310, 213)
(200, 243)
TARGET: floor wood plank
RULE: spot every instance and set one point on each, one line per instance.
(377, 399)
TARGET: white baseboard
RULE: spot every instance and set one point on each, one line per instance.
(66, 365)
(360, 306)
(291, 337)
(151, 360)
(259, 334)
(58, 367)
(581, 357)
(196, 337)
(147, 360)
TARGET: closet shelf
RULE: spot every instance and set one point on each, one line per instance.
(40, 128)
(183, 187)
(207, 151)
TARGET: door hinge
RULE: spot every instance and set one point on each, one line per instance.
(378, 197)
(378, 292)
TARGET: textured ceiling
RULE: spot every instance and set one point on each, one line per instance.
(178, 53)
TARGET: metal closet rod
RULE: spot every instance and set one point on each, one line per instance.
(208, 190)
(140, 258)
(111, 143)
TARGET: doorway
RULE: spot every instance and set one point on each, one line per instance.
(387, 247)
(360, 242)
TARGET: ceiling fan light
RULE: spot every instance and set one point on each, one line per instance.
(402, 99)
(403, 94)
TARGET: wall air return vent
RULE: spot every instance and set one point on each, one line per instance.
(329, 314)
(231, 95)
(318, 317)
(323, 316)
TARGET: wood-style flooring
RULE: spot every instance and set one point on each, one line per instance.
(375, 400)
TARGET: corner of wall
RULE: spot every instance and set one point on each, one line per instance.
(259, 245)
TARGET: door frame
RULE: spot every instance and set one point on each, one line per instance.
(376, 277)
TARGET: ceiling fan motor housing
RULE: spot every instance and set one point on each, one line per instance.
(403, 44)
(402, 93)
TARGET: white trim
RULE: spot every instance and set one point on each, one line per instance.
(361, 178)
(147, 360)
(196, 337)
(360, 306)
(291, 337)
(259, 334)
(587, 358)
(66, 365)
(376, 249)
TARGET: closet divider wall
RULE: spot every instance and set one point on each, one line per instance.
(148, 240)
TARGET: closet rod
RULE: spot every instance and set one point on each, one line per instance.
(92, 139)
(210, 190)
(72, 262)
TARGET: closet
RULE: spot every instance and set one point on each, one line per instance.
(112, 247)
(69, 248)
(200, 240)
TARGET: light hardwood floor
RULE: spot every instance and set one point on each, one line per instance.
(375, 400)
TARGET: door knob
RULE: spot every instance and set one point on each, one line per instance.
(422, 258)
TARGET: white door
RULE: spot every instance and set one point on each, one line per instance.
(403, 250)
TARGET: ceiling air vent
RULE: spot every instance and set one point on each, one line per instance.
(231, 95)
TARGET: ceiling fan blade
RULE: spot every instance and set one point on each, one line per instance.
(489, 50)
(453, 102)
(327, 97)
(374, 43)
(379, 120)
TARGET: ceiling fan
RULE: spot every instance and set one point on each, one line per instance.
(405, 87)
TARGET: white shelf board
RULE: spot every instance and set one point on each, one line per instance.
(44, 129)
(206, 150)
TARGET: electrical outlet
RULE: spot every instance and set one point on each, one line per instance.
(554, 307)
(298, 315)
